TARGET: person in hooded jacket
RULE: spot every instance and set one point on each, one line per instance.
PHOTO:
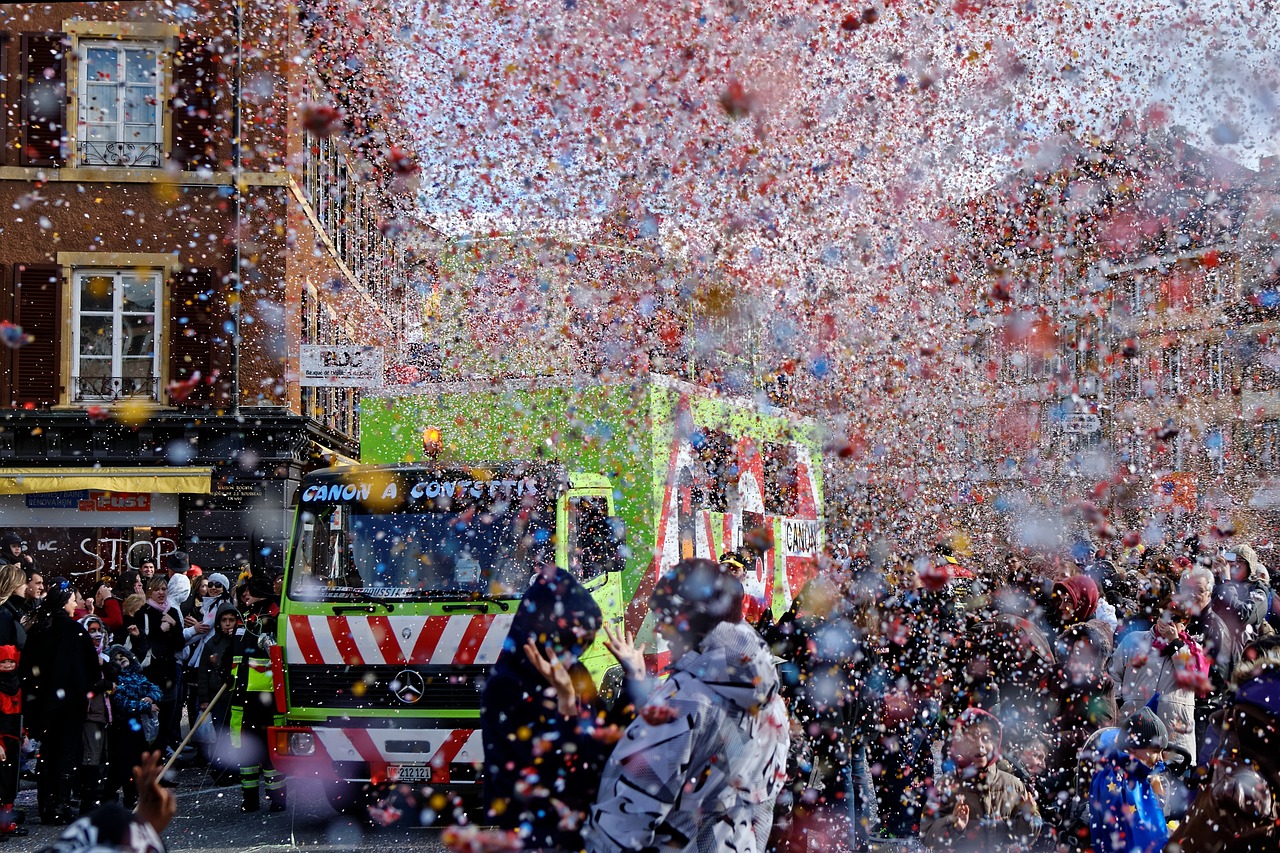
(98, 719)
(213, 666)
(546, 733)
(701, 766)
(60, 669)
(1242, 594)
(1074, 601)
(1125, 811)
(980, 805)
(1239, 808)
(133, 700)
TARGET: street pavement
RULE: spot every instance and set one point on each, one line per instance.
(209, 819)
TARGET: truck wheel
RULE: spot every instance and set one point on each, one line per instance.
(347, 798)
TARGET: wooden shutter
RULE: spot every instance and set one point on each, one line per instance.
(6, 354)
(197, 338)
(194, 86)
(44, 99)
(37, 308)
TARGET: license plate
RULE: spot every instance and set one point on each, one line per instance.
(409, 772)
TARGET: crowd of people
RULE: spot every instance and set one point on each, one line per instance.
(94, 675)
(1115, 700)
(1107, 699)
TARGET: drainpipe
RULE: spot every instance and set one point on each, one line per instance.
(237, 168)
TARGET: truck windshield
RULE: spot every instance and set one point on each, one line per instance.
(346, 550)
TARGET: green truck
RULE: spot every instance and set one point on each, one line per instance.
(404, 571)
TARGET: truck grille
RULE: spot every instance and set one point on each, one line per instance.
(366, 687)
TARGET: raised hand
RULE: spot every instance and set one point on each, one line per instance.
(554, 672)
(961, 814)
(622, 645)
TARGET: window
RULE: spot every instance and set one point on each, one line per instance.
(120, 103)
(1265, 450)
(1216, 369)
(781, 479)
(593, 546)
(1171, 370)
(719, 476)
(114, 334)
(1215, 289)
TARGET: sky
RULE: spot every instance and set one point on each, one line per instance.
(804, 119)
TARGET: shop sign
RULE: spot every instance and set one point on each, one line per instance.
(89, 508)
(340, 367)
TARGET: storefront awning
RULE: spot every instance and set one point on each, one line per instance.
(25, 481)
(338, 457)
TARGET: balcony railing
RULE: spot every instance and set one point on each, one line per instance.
(97, 389)
(127, 154)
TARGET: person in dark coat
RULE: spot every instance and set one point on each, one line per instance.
(213, 668)
(1194, 599)
(546, 733)
(13, 551)
(13, 637)
(823, 682)
(60, 668)
(161, 627)
(1239, 808)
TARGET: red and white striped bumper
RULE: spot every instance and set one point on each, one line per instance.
(396, 640)
(441, 756)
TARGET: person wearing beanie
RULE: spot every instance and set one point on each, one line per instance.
(60, 668)
(539, 695)
(1125, 811)
(135, 704)
(702, 765)
(13, 552)
(980, 806)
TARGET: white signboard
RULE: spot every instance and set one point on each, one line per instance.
(1082, 423)
(340, 366)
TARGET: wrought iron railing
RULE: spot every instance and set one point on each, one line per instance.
(141, 154)
(85, 389)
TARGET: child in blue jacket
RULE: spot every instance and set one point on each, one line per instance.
(135, 703)
(1125, 812)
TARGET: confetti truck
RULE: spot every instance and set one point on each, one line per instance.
(404, 572)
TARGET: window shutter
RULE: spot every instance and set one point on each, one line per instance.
(44, 99)
(194, 86)
(37, 308)
(197, 342)
(6, 354)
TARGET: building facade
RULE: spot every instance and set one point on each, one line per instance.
(182, 223)
(1117, 334)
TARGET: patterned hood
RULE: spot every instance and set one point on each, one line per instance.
(733, 663)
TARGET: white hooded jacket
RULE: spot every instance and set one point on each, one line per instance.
(699, 769)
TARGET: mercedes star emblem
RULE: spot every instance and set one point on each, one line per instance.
(408, 686)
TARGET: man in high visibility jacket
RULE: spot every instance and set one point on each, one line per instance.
(253, 702)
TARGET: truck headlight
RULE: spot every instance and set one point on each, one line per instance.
(302, 743)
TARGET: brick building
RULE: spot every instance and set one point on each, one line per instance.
(180, 224)
(1117, 334)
